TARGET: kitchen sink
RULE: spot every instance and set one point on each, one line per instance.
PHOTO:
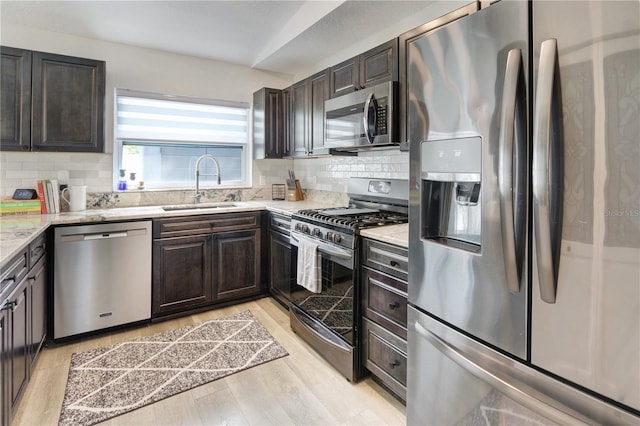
(203, 206)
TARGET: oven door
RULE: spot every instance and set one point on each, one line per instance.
(326, 320)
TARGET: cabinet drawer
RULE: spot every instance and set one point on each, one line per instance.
(206, 224)
(13, 272)
(385, 355)
(37, 249)
(388, 258)
(280, 223)
(385, 300)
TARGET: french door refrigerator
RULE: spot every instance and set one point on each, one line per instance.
(524, 268)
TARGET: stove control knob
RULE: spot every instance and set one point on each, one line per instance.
(329, 236)
(305, 229)
(298, 227)
(316, 232)
(336, 238)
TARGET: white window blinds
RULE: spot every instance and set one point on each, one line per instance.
(143, 118)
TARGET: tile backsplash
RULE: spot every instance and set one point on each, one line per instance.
(319, 176)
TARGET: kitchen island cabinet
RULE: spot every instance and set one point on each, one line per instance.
(200, 261)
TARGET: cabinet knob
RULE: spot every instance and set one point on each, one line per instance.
(394, 305)
(394, 364)
(394, 263)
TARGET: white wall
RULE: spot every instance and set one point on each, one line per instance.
(151, 70)
(432, 10)
(131, 68)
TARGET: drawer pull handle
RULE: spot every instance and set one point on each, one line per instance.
(394, 305)
(9, 280)
(9, 306)
(394, 364)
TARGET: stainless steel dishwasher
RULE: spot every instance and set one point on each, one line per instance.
(102, 276)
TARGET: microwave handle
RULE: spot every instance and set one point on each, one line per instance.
(365, 118)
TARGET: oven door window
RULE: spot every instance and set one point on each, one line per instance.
(334, 306)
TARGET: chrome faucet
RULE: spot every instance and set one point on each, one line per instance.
(198, 195)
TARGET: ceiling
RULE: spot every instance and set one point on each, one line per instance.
(277, 36)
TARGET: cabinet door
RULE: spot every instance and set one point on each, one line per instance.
(345, 77)
(37, 279)
(287, 121)
(299, 124)
(181, 274)
(68, 103)
(280, 279)
(5, 402)
(15, 99)
(268, 139)
(319, 84)
(379, 64)
(236, 265)
(18, 342)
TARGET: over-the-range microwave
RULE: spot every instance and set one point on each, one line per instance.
(364, 119)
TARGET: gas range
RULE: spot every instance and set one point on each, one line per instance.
(372, 202)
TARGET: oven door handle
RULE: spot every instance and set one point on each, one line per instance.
(327, 249)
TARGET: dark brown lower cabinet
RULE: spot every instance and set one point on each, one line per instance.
(37, 279)
(23, 326)
(384, 306)
(18, 342)
(181, 274)
(236, 264)
(205, 260)
(5, 402)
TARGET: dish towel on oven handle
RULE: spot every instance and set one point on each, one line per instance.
(309, 262)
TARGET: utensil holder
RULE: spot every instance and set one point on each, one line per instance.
(277, 191)
(295, 194)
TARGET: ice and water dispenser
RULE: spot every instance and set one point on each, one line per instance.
(451, 192)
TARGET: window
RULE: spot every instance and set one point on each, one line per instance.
(160, 137)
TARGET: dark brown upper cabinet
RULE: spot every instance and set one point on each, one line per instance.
(345, 77)
(375, 66)
(304, 116)
(15, 98)
(66, 99)
(268, 135)
(319, 88)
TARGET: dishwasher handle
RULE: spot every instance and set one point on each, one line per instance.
(103, 235)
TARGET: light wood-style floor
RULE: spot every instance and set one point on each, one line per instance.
(299, 389)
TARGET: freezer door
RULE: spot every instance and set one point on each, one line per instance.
(586, 271)
(454, 380)
(468, 171)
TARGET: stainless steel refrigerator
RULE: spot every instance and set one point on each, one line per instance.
(524, 267)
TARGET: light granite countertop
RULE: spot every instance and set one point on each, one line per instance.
(392, 234)
(16, 232)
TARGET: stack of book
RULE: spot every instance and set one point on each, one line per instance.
(10, 206)
(49, 196)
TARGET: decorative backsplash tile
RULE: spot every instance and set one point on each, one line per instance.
(322, 178)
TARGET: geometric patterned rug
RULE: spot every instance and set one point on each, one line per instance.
(109, 381)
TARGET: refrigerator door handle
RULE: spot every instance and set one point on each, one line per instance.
(512, 126)
(545, 178)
